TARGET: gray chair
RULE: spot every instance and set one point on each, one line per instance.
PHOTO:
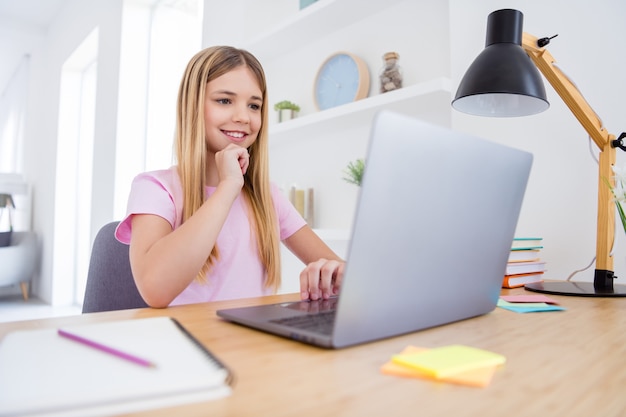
(110, 283)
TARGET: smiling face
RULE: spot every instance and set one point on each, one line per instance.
(232, 110)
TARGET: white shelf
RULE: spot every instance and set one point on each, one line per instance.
(420, 100)
(324, 16)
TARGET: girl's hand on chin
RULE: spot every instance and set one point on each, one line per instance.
(232, 163)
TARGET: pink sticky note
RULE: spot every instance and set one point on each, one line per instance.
(528, 299)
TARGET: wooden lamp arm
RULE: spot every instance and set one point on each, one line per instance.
(567, 90)
(604, 140)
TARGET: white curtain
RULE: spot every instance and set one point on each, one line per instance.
(12, 111)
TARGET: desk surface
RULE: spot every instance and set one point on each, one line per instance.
(558, 363)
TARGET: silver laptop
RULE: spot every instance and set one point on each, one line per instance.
(432, 233)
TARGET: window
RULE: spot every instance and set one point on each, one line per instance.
(157, 42)
(72, 214)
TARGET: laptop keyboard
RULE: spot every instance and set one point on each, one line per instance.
(321, 323)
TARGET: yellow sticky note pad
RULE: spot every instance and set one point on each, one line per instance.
(480, 377)
(447, 361)
(392, 368)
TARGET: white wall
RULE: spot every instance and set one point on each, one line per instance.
(73, 24)
(561, 198)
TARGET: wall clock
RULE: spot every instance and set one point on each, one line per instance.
(342, 78)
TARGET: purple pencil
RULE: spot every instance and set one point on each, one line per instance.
(106, 349)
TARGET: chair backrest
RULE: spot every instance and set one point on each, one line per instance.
(110, 283)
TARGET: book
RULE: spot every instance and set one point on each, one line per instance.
(524, 255)
(519, 280)
(44, 373)
(446, 361)
(528, 298)
(513, 268)
(527, 243)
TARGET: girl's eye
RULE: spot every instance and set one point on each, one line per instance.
(255, 106)
(223, 100)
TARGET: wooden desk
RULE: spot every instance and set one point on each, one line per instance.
(570, 363)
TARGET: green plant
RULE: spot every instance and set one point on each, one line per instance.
(619, 192)
(354, 171)
(286, 105)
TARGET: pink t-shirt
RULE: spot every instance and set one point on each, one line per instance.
(238, 273)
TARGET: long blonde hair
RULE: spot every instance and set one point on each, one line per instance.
(190, 144)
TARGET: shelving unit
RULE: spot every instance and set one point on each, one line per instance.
(418, 100)
(313, 149)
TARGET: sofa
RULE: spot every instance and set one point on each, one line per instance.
(18, 261)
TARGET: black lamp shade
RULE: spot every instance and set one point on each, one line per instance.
(502, 81)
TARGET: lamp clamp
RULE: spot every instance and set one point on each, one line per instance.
(619, 142)
(545, 41)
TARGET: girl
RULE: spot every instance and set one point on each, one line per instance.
(209, 228)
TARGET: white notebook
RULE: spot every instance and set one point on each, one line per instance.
(42, 373)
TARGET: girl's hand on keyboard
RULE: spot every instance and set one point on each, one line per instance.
(321, 279)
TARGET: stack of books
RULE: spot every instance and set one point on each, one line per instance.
(525, 264)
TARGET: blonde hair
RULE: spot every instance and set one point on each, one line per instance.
(190, 144)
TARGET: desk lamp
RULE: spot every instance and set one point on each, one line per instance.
(503, 82)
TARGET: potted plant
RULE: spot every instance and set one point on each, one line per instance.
(287, 110)
(354, 172)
